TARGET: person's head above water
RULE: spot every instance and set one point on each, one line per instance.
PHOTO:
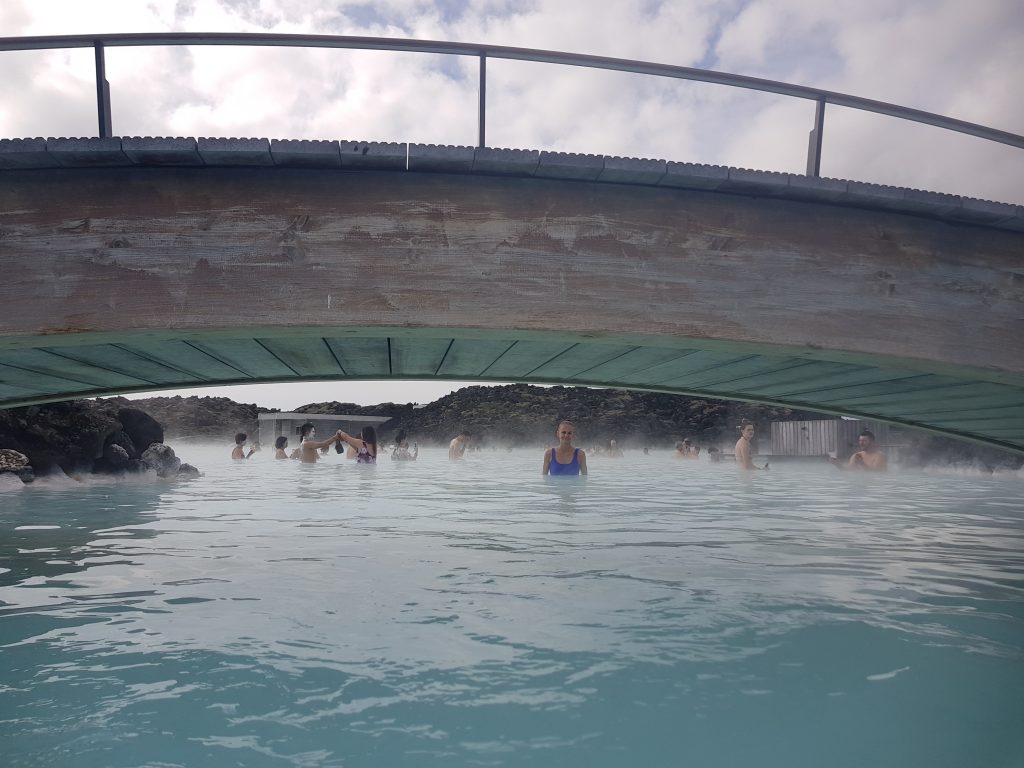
(240, 438)
(565, 431)
(369, 435)
(866, 439)
(746, 429)
(307, 431)
(281, 442)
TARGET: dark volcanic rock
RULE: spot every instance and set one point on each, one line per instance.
(16, 464)
(114, 459)
(216, 418)
(138, 467)
(122, 440)
(82, 436)
(12, 461)
(161, 457)
(522, 414)
(384, 409)
(69, 436)
(142, 428)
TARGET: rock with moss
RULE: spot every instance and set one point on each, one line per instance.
(15, 465)
(161, 458)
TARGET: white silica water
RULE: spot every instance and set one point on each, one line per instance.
(658, 613)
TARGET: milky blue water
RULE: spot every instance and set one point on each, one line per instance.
(660, 613)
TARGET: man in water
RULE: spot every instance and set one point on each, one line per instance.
(457, 447)
(744, 448)
(238, 452)
(869, 458)
(565, 459)
(309, 445)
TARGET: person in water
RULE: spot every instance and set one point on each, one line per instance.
(869, 458)
(686, 450)
(279, 445)
(402, 452)
(238, 452)
(457, 447)
(342, 447)
(744, 448)
(565, 459)
(613, 451)
(309, 445)
(365, 445)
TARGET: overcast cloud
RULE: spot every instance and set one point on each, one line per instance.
(945, 56)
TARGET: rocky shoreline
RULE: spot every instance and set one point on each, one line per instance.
(516, 415)
(84, 437)
(117, 436)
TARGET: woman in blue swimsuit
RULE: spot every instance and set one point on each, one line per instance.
(565, 459)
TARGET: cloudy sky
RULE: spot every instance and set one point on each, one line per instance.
(955, 58)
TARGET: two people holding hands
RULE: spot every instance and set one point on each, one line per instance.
(365, 445)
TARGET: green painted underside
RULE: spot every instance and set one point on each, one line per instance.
(48, 369)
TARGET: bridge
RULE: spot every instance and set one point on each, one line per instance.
(137, 263)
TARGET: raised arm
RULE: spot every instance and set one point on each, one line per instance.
(318, 444)
(355, 442)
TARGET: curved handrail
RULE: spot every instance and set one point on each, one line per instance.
(483, 52)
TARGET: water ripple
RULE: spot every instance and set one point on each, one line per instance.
(271, 614)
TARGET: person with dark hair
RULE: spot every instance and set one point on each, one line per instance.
(365, 444)
(402, 452)
(744, 447)
(279, 445)
(565, 459)
(309, 445)
(869, 458)
(238, 452)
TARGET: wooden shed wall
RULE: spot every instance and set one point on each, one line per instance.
(835, 437)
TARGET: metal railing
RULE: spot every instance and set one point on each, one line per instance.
(483, 52)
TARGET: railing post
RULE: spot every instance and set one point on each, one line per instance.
(482, 116)
(814, 140)
(102, 93)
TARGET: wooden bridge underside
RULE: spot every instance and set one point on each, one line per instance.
(145, 277)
